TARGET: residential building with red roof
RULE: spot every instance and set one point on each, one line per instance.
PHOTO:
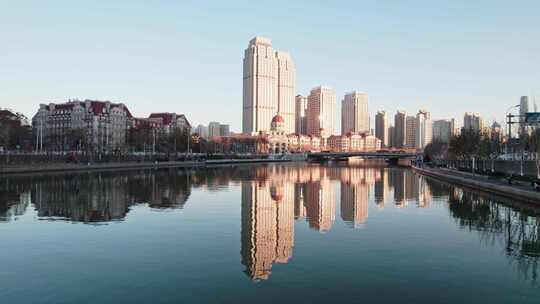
(89, 124)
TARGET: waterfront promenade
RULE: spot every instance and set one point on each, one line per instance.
(483, 183)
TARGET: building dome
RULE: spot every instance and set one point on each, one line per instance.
(278, 119)
(278, 124)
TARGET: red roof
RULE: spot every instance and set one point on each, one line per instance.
(278, 118)
(97, 106)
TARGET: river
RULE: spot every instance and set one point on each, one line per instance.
(276, 233)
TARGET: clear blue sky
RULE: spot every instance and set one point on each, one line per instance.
(186, 56)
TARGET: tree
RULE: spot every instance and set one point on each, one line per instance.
(179, 137)
(435, 150)
(5, 131)
(466, 144)
(140, 138)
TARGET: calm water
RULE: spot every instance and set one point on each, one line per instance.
(262, 234)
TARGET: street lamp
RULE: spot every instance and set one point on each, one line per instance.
(509, 117)
(509, 124)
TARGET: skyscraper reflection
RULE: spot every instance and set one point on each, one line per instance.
(355, 195)
(272, 198)
(267, 227)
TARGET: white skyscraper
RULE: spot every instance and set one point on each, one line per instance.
(301, 114)
(268, 87)
(424, 129)
(321, 111)
(354, 113)
(286, 87)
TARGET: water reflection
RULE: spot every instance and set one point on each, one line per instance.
(273, 199)
(93, 198)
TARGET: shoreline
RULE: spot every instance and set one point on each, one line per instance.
(482, 184)
(67, 168)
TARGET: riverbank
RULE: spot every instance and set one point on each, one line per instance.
(482, 183)
(67, 167)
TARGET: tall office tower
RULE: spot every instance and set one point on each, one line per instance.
(214, 129)
(410, 132)
(391, 133)
(286, 82)
(202, 130)
(268, 87)
(424, 132)
(301, 114)
(224, 130)
(321, 111)
(523, 108)
(399, 129)
(354, 113)
(381, 127)
(473, 121)
(443, 130)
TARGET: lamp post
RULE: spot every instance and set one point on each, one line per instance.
(509, 123)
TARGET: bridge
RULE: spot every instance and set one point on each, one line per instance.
(391, 157)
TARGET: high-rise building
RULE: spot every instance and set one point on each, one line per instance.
(286, 90)
(523, 109)
(424, 130)
(202, 130)
(399, 129)
(224, 130)
(321, 112)
(381, 128)
(268, 87)
(473, 121)
(443, 130)
(214, 129)
(391, 133)
(410, 132)
(354, 113)
(301, 114)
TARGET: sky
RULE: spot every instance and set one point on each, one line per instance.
(448, 57)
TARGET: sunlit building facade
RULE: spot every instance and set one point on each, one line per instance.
(301, 115)
(269, 79)
(354, 113)
(321, 120)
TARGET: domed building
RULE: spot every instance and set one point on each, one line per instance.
(277, 139)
